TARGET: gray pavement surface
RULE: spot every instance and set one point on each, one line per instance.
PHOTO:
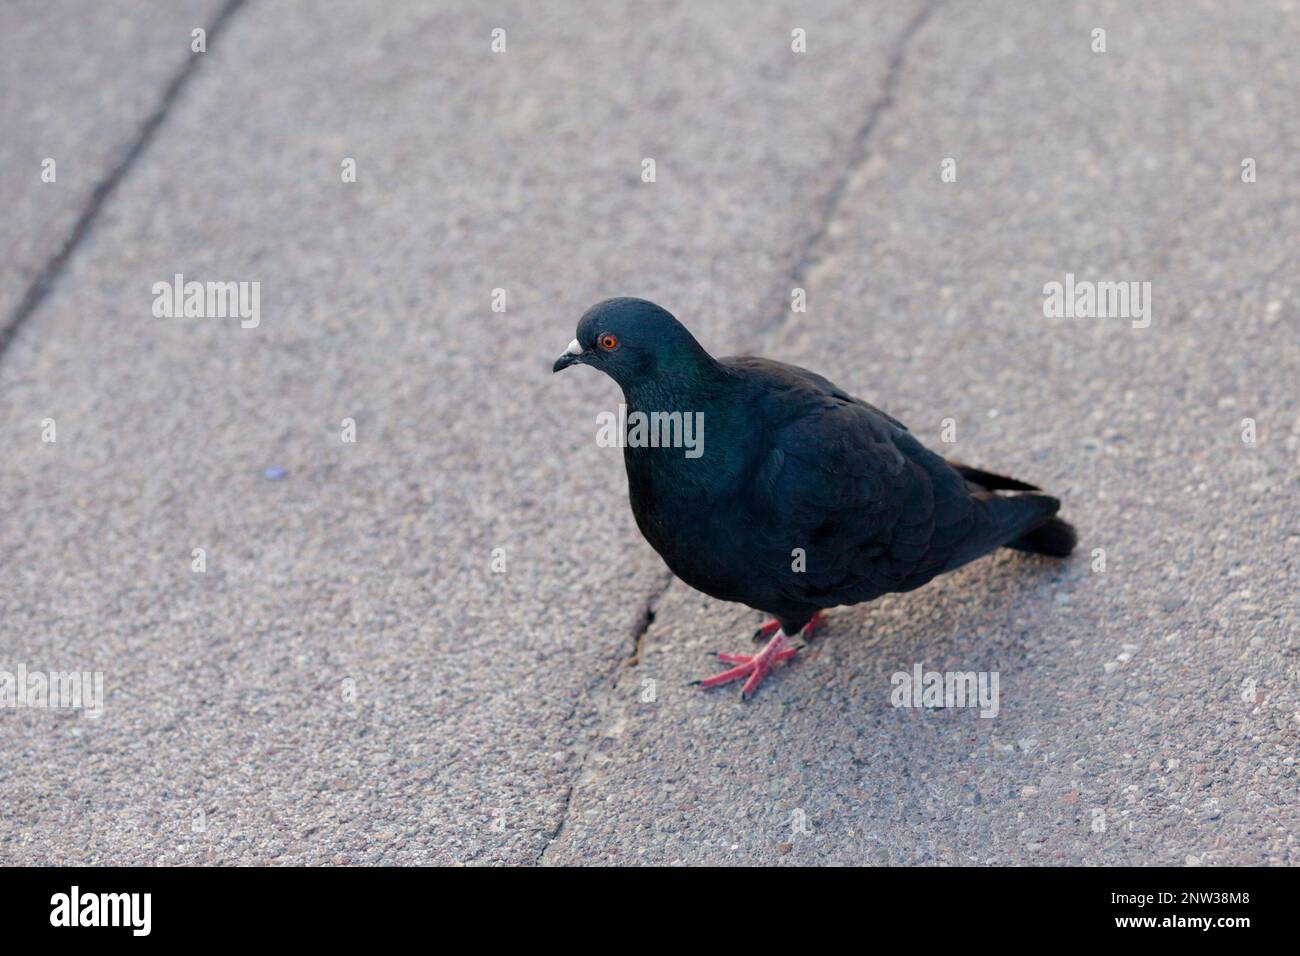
(78, 83)
(354, 679)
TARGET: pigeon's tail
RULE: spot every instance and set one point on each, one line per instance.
(987, 481)
(1051, 536)
(1055, 537)
(1026, 522)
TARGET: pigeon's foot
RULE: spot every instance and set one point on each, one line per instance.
(752, 666)
(771, 627)
(815, 624)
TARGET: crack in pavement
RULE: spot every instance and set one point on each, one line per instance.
(54, 266)
(641, 625)
(806, 256)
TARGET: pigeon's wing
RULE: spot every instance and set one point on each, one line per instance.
(872, 509)
(793, 375)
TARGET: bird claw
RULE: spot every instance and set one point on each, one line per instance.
(753, 667)
(784, 655)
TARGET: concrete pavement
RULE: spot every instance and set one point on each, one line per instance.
(81, 85)
(414, 647)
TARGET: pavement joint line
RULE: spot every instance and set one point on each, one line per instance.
(54, 266)
(766, 331)
(645, 617)
(643, 622)
(807, 254)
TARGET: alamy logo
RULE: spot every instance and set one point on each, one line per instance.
(103, 909)
(208, 300)
(1098, 300)
(42, 690)
(933, 689)
(651, 430)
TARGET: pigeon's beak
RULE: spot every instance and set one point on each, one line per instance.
(569, 356)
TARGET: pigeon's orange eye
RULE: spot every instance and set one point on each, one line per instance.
(609, 342)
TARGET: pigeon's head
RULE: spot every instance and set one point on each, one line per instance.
(632, 341)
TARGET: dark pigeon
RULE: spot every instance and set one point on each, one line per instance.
(793, 465)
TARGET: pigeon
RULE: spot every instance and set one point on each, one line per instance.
(793, 497)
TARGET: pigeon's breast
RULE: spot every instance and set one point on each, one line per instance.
(703, 540)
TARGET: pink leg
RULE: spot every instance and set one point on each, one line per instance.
(726, 658)
(817, 622)
(754, 667)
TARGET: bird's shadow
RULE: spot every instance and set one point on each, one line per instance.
(936, 627)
